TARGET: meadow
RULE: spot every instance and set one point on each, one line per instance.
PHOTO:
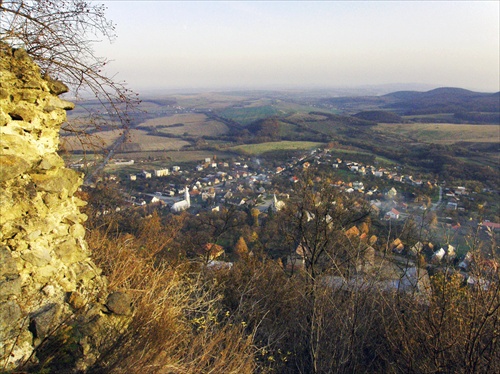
(256, 149)
(249, 114)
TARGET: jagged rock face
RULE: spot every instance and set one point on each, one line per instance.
(46, 274)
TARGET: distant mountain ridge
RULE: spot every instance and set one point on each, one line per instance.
(460, 105)
(443, 100)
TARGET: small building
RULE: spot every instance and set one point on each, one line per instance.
(492, 225)
(162, 172)
(358, 186)
(392, 214)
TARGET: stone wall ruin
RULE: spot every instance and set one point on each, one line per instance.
(46, 275)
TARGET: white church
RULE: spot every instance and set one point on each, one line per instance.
(183, 204)
(277, 205)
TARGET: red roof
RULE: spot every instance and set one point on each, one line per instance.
(493, 225)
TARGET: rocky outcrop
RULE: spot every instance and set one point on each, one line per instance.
(48, 282)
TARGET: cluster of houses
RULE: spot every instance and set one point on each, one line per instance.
(247, 184)
(243, 181)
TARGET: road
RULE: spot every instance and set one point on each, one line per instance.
(434, 206)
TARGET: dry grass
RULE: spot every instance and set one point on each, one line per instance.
(176, 326)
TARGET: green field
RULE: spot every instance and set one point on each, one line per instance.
(348, 152)
(256, 149)
(247, 115)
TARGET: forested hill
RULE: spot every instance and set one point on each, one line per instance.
(443, 100)
(457, 104)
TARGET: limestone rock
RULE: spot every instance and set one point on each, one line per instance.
(10, 285)
(10, 314)
(11, 166)
(9, 264)
(57, 181)
(119, 303)
(45, 320)
(56, 87)
(47, 278)
(76, 300)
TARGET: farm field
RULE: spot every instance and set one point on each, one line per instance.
(205, 100)
(141, 140)
(249, 114)
(191, 123)
(89, 142)
(353, 153)
(256, 149)
(443, 133)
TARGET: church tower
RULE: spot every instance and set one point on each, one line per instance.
(187, 197)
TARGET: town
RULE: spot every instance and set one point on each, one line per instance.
(393, 195)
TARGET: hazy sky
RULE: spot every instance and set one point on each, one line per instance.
(257, 44)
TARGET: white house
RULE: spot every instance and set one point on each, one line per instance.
(161, 173)
(277, 205)
(392, 214)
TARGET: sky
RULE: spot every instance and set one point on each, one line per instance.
(304, 44)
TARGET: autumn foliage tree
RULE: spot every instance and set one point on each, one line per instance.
(241, 248)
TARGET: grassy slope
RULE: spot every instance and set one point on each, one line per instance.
(255, 149)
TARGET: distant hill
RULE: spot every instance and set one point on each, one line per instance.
(379, 116)
(264, 127)
(459, 105)
(442, 100)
